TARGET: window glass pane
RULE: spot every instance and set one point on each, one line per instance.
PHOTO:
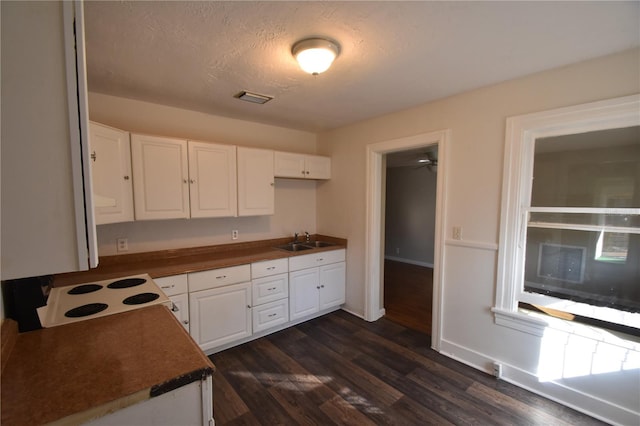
(594, 169)
(593, 267)
(621, 220)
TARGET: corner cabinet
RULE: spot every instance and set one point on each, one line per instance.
(110, 154)
(301, 166)
(316, 282)
(47, 206)
(256, 195)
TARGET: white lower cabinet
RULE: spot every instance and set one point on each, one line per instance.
(270, 315)
(175, 287)
(316, 288)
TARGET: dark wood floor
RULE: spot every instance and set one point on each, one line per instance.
(408, 295)
(339, 369)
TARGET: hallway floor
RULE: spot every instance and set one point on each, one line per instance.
(408, 295)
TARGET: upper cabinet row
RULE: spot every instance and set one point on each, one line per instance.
(165, 178)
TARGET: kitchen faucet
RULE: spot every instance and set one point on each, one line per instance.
(295, 237)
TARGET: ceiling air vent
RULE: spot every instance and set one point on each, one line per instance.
(253, 97)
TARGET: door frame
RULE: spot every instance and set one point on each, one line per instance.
(374, 251)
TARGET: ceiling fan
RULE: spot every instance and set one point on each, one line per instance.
(428, 160)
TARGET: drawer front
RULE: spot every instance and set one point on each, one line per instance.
(270, 315)
(270, 289)
(175, 284)
(269, 267)
(316, 259)
(219, 277)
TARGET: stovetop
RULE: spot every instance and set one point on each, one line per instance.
(96, 299)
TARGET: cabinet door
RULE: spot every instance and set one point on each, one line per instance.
(289, 165)
(220, 315)
(255, 182)
(180, 308)
(212, 180)
(47, 209)
(317, 167)
(304, 286)
(111, 174)
(332, 285)
(160, 173)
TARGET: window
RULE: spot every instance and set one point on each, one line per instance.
(570, 232)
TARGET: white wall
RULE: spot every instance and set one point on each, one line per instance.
(475, 161)
(410, 214)
(295, 199)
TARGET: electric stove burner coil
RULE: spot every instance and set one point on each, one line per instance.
(86, 310)
(85, 288)
(127, 282)
(139, 299)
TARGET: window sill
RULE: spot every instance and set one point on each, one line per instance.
(537, 324)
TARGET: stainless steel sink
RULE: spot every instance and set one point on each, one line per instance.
(294, 247)
(316, 244)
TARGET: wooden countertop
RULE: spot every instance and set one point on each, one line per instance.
(180, 261)
(87, 369)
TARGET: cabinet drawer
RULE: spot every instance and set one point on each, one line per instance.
(172, 285)
(219, 277)
(270, 288)
(269, 267)
(270, 315)
(316, 259)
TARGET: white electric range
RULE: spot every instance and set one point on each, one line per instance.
(100, 298)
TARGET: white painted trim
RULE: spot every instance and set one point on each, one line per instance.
(480, 245)
(354, 313)
(87, 245)
(373, 247)
(409, 261)
(579, 401)
(521, 133)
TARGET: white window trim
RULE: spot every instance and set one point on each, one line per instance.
(521, 132)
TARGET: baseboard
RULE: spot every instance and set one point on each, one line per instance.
(354, 313)
(579, 401)
(409, 261)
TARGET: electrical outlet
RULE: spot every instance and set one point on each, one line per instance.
(497, 370)
(457, 232)
(234, 234)
(122, 244)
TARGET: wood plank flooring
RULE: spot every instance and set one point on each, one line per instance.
(408, 295)
(339, 369)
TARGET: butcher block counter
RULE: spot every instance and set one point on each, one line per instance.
(84, 370)
(180, 261)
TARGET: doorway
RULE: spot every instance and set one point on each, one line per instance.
(374, 245)
(409, 223)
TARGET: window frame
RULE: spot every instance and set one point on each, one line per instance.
(521, 133)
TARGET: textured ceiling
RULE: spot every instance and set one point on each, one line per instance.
(395, 55)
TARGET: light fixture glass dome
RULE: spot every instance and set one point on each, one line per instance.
(315, 55)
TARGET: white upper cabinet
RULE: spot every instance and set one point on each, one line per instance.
(111, 174)
(212, 180)
(47, 208)
(160, 177)
(301, 166)
(255, 182)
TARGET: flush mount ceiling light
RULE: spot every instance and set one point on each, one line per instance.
(253, 97)
(315, 55)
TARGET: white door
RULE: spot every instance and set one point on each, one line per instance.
(160, 173)
(289, 165)
(304, 286)
(212, 180)
(220, 315)
(111, 173)
(255, 182)
(180, 308)
(318, 167)
(332, 285)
